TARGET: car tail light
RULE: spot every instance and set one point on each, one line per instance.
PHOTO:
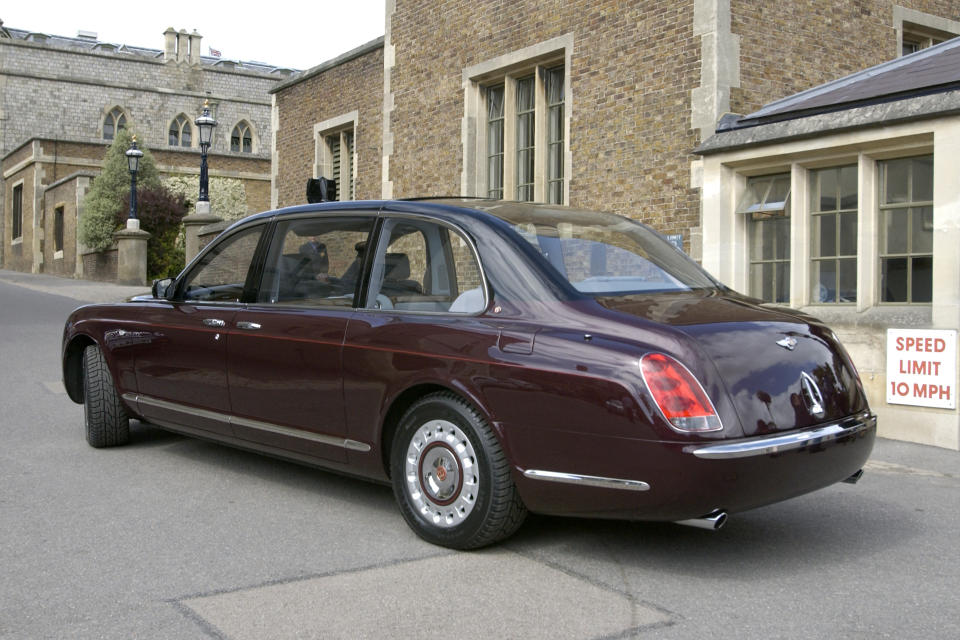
(678, 395)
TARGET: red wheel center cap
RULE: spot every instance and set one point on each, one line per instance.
(441, 474)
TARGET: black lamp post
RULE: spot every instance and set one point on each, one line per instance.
(205, 123)
(133, 163)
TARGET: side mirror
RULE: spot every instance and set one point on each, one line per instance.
(161, 288)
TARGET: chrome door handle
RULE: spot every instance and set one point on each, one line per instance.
(249, 326)
(214, 322)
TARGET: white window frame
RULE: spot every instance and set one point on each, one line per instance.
(507, 69)
(323, 157)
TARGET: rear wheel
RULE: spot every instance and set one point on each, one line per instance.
(105, 418)
(450, 476)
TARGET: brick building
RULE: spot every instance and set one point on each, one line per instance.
(63, 98)
(596, 104)
(604, 104)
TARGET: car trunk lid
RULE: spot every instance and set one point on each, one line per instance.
(782, 370)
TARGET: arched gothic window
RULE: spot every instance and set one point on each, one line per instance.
(114, 122)
(242, 138)
(181, 132)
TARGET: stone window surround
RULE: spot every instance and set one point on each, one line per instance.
(13, 187)
(908, 20)
(187, 126)
(725, 247)
(323, 160)
(522, 62)
(254, 141)
(60, 207)
(108, 112)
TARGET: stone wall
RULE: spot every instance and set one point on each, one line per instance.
(354, 85)
(68, 194)
(61, 88)
(19, 253)
(100, 266)
(632, 68)
(66, 92)
(647, 80)
(51, 164)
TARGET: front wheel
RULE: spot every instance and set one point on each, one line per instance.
(450, 476)
(105, 418)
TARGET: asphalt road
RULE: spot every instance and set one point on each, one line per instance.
(172, 537)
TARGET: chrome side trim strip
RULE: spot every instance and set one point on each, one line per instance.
(346, 443)
(587, 481)
(179, 408)
(789, 442)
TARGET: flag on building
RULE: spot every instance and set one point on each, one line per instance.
(214, 52)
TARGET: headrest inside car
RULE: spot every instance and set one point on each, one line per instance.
(397, 266)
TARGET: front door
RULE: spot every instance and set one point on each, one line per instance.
(285, 349)
(182, 371)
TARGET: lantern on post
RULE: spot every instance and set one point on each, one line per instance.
(205, 123)
(133, 164)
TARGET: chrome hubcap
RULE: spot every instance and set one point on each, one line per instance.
(441, 473)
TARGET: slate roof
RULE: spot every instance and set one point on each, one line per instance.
(92, 44)
(920, 85)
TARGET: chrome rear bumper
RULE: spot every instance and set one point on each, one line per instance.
(788, 442)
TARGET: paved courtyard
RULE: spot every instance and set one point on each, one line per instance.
(172, 537)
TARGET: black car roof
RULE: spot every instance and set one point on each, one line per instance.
(510, 212)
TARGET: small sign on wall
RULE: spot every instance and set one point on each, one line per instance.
(922, 368)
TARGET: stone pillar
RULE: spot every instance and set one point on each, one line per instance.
(191, 229)
(170, 45)
(132, 254)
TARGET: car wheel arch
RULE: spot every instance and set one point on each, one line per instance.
(73, 366)
(405, 399)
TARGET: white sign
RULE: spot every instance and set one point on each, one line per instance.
(922, 368)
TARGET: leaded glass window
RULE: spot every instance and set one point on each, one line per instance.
(526, 131)
(495, 142)
(114, 122)
(833, 235)
(180, 132)
(554, 90)
(906, 230)
(241, 139)
(766, 201)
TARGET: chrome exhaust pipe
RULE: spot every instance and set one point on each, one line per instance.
(712, 521)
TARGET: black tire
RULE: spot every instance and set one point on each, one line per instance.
(472, 502)
(104, 416)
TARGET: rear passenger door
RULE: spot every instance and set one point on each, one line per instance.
(421, 321)
(284, 358)
(424, 266)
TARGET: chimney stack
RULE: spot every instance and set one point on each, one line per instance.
(183, 45)
(195, 49)
(170, 45)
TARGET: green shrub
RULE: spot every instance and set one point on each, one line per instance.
(103, 204)
(160, 213)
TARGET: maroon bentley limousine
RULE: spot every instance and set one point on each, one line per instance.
(485, 358)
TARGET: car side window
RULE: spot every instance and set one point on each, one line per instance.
(222, 272)
(425, 266)
(315, 261)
